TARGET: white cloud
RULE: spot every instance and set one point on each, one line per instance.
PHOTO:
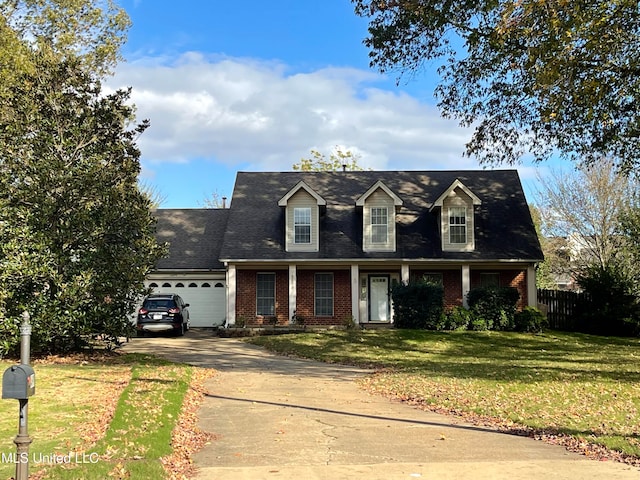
(259, 115)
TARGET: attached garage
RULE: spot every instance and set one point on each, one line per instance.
(206, 298)
(192, 268)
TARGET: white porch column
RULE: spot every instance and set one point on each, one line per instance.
(532, 291)
(466, 284)
(293, 285)
(231, 295)
(355, 293)
(404, 273)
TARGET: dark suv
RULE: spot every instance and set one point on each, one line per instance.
(161, 312)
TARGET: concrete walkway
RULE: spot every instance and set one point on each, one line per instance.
(281, 418)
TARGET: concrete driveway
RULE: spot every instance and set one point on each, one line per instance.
(281, 418)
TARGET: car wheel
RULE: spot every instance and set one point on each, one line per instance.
(139, 333)
(181, 331)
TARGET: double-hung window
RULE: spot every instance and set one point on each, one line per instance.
(457, 225)
(266, 294)
(302, 225)
(324, 294)
(379, 225)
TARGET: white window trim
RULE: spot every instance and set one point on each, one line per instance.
(274, 294)
(315, 293)
(372, 225)
(464, 225)
(296, 225)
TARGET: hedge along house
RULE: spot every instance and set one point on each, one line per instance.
(325, 247)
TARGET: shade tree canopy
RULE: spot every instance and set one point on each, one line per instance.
(533, 78)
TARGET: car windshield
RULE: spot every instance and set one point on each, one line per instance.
(159, 304)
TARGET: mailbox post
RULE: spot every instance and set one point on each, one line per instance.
(19, 382)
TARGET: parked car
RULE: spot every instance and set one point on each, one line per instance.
(162, 312)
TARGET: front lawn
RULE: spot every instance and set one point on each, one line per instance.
(579, 390)
(106, 417)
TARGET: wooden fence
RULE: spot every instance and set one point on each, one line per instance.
(561, 307)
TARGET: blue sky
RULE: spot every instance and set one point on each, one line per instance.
(254, 86)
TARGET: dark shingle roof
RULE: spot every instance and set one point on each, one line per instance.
(503, 226)
(194, 237)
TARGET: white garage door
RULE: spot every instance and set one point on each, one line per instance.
(206, 299)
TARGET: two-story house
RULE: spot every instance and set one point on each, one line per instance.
(327, 246)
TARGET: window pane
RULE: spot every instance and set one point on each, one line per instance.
(489, 279)
(324, 294)
(457, 225)
(266, 294)
(378, 225)
(302, 225)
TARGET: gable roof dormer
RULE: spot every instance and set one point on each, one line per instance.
(302, 218)
(457, 217)
(379, 207)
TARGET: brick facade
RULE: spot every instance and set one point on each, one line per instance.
(305, 302)
(305, 306)
(508, 278)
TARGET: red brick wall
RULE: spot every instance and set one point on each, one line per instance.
(452, 281)
(246, 297)
(305, 303)
(305, 306)
(508, 278)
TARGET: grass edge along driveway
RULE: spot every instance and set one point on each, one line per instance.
(120, 416)
(577, 390)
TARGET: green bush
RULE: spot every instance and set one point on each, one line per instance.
(418, 305)
(530, 320)
(495, 305)
(610, 308)
(458, 318)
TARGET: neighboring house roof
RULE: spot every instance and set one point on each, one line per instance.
(503, 226)
(194, 237)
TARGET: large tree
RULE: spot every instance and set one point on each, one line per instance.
(76, 232)
(532, 77)
(92, 31)
(79, 232)
(338, 160)
(584, 207)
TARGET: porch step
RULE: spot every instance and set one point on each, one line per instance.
(376, 326)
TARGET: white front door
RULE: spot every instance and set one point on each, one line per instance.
(379, 303)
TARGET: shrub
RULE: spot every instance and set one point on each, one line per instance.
(531, 320)
(495, 305)
(458, 318)
(418, 305)
(610, 307)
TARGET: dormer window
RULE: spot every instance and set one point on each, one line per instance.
(379, 207)
(458, 225)
(455, 208)
(302, 218)
(379, 225)
(302, 225)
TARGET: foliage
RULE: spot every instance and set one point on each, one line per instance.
(583, 207)
(611, 308)
(629, 230)
(573, 389)
(531, 77)
(530, 320)
(92, 31)
(457, 318)
(337, 161)
(493, 308)
(556, 261)
(418, 304)
(77, 233)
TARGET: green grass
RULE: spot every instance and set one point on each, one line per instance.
(68, 400)
(583, 386)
